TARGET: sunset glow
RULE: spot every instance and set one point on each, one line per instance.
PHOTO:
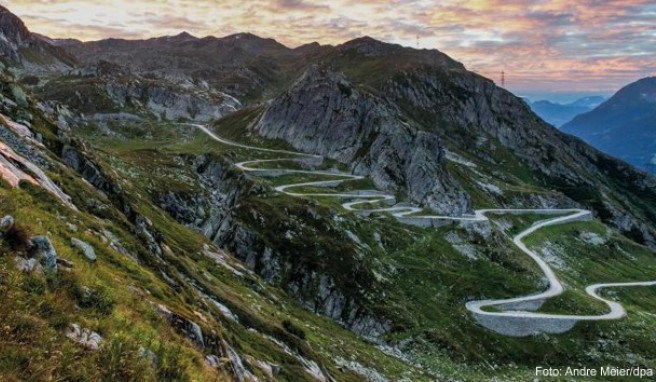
(543, 46)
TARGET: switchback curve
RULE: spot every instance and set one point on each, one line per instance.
(513, 316)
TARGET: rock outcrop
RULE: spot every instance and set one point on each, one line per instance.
(31, 53)
(323, 113)
(43, 250)
(86, 249)
(184, 326)
(169, 103)
(6, 224)
(85, 337)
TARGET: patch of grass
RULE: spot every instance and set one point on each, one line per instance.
(34, 285)
(98, 298)
(293, 329)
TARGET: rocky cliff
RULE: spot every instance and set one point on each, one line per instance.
(108, 92)
(324, 113)
(475, 118)
(230, 213)
(29, 53)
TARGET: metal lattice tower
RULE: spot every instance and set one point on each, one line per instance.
(503, 79)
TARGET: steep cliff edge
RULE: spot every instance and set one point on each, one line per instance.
(324, 113)
(26, 52)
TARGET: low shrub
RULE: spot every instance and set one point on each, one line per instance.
(99, 299)
(17, 238)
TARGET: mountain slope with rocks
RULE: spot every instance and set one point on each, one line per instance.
(98, 282)
(107, 93)
(460, 112)
(27, 52)
(624, 125)
(325, 114)
(243, 65)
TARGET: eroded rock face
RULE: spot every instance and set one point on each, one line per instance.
(325, 114)
(169, 103)
(184, 326)
(15, 168)
(89, 171)
(16, 40)
(143, 228)
(209, 211)
(214, 214)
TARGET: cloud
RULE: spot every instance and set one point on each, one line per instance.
(299, 5)
(541, 45)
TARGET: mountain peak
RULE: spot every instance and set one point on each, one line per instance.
(245, 35)
(643, 90)
(13, 30)
(623, 126)
(30, 51)
(366, 40)
(184, 36)
(369, 46)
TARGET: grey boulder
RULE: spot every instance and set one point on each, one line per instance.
(43, 250)
(86, 249)
(85, 337)
(6, 223)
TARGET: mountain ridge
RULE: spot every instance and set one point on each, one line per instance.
(412, 80)
(623, 125)
(559, 114)
(30, 52)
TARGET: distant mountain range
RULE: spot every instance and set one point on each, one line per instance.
(558, 114)
(623, 126)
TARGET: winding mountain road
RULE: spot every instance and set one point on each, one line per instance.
(513, 316)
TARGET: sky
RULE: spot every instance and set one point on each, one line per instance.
(561, 47)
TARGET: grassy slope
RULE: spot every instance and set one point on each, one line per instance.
(149, 170)
(413, 257)
(35, 310)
